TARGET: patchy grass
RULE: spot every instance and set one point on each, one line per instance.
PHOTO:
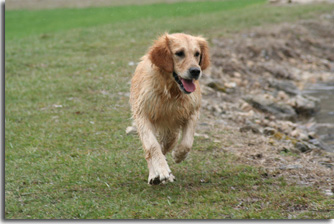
(67, 155)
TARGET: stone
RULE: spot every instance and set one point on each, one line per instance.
(318, 143)
(302, 147)
(312, 135)
(230, 85)
(305, 105)
(202, 135)
(284, 85)
(131, 130)
(329, 192)
(303, 136)
(252, 128)
(265, 104)
(295, 133)
(237, 74)
(269, 131)
(291, 167)
(282, 95)
(217, 86)
(245, 107)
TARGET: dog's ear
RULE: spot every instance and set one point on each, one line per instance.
(204, 61)
(160, 54)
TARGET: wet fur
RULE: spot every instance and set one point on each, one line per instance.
(161, 111)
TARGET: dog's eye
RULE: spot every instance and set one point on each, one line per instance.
(197, 54)
(180, 53)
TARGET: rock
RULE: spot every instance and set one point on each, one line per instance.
(329, 192)
(284, 85)
(216, 108)
(280, 110)
(284, 150)
(230, 85)
(202, 135)
(277, 70)
(303, 136)
(272, 124)
(269, 131)
(286, 126)
(303, 147)
(246, 107)
(131, 130)
(216, 141)
(237, 74)
(295, 133)
(249, 127)
(318, 143)
(257, 156)
(290, 167)
(282, 95)
(312, 135)
(207, 90)
(305, 105)
(299, 134)
(217, 86)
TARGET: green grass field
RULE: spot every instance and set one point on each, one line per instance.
(66, 152)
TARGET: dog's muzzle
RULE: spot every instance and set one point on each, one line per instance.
(186, 85)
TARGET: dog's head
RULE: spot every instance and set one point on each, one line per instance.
(183, 56)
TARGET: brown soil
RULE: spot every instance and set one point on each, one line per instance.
(245, 65)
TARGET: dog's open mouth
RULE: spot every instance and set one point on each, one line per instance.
(187, 85)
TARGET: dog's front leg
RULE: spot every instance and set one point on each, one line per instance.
(188, 130)
(159, 171)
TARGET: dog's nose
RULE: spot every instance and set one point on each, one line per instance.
(194, 72)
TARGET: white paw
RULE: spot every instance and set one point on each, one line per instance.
(163, 177)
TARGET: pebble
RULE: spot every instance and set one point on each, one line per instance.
(269, 131)
(202, 135)
(266, 103)
(217, 86)
(252, 128)
(237, 74)
(295, 133)
(302, 147)
(290, 167)
(230, 85)
(131, 130)
(282, 95)
(246, 107)
(329, 192)
(303, 136)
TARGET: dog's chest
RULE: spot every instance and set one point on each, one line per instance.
(164, 108)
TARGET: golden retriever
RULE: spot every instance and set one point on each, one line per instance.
(165, 99)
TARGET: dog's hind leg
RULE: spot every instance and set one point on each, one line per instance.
(159, 171)
(169, 140)
(188, 131)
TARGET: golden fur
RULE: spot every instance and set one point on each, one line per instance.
(161, 110)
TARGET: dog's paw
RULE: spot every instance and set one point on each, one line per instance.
(161, 179)
(180, 154)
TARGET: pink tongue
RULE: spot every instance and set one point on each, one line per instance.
(188, 85)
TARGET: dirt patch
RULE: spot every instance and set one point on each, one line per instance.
(253, 102)
(298, 1)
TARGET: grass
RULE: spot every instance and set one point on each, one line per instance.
(23, 23)
(67, 155)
